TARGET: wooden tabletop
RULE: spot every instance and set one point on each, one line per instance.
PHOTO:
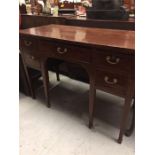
(94, 36)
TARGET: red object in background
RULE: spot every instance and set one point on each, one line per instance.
(81, 10)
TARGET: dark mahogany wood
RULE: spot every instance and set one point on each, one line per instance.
(74, 70)
(23, 83)
(113, 73)
(129, 130)
(44, 71)
(29, 21)
(29, 79)
(92, 95)
(39, 20)
(94, 23)
(32, 59)
(94, 37)
(126, 110)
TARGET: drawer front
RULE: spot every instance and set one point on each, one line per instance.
(113, 60)
(46, 47)
(28, 44)
(110, 82)
(31, 61)
(65, 52)
(73, 53)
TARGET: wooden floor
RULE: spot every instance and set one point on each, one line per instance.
(63, 128)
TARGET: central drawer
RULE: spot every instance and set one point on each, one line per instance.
(65, 51)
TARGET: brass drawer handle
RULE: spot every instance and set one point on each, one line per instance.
(27, 43)
(114, 81)
(60, 51)
(113, 62)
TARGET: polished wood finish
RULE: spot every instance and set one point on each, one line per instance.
(73, 53)
(44, 71)
(94, 37)
(29, 79)
(23, 84)
(85, 46)
(110, 59)
(130, 129)
(94, 23)
(32, 59)
(75, 70)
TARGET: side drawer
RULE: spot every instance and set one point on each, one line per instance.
(110, 82)
(28, 44)
(118, 61)
(31, 60)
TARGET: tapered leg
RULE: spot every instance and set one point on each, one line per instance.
(57, 72)
(44, 72)
(22, 77)
(29, 80)
(92, 96)
(129, 131)
(126, 111)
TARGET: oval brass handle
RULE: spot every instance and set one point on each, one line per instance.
(110, 61)
(60, 51)
(114, 81)
(27, 43)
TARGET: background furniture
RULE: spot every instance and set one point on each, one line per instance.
(39, 20)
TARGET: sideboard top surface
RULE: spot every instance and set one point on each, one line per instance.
(90, 36)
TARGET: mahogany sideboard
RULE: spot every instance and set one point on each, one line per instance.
(73, 70)
(106, 54)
